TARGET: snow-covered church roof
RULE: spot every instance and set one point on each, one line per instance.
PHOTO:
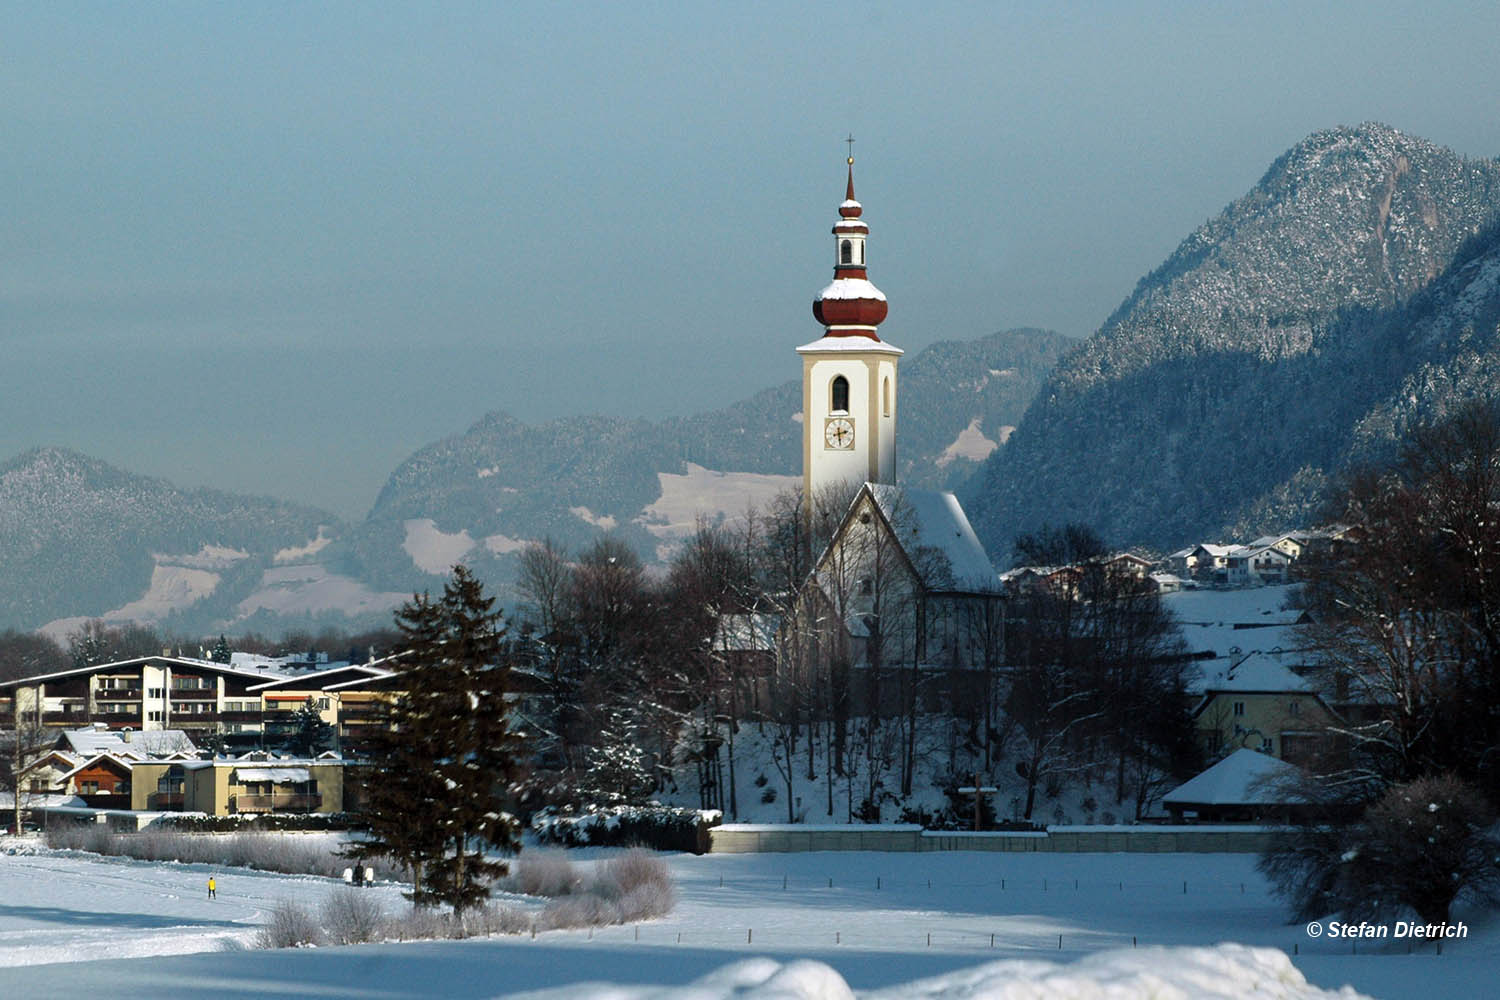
(934, 519)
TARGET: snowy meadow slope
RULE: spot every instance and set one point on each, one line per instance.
(112, 928)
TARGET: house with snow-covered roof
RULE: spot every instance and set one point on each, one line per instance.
(1257, 701)
(1257, 566)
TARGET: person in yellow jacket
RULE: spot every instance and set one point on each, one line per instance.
(212, 888)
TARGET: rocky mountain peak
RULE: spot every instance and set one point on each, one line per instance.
(1244, 360)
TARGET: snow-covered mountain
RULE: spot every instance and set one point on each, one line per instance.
(80, 539)
(483, 493)
(1355, 287)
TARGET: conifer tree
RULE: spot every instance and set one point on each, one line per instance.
(221, 652)
(401, 791)
(311, 734)
(445, 763)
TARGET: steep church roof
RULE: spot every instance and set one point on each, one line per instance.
(934, 519)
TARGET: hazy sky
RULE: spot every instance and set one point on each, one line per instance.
(275, 248)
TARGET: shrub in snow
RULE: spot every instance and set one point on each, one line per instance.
(272, 852)
(290, 926)
(617, 877)
(483, 921)
(352, 916)
(204, 823)
(635, 886)
(419, 923)
(664, 828)
(543, 873)
(424, 923)
(1422, 846)
(93, 839)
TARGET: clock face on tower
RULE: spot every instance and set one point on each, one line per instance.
(838, 434)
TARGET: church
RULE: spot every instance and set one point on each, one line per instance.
(902, 600)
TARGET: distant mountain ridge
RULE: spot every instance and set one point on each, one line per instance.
(1291, 335)
(82, 539)
(503, 481)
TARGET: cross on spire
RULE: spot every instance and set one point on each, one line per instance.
(850, 141)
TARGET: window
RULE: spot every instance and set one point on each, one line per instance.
(1294, 708)
(846, 252)
(156, 692)
(1239, 708)
(840, 393)
(88, 788)
(866, 586)
(885, 394)
(1267, 745)
(322, 704)
(154, 715)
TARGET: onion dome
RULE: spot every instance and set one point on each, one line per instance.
(850, 306)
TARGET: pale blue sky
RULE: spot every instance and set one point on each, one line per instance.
(277, 247)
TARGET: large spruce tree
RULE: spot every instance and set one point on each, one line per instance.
(448, 756)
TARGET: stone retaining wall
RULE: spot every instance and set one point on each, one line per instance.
(734, 839)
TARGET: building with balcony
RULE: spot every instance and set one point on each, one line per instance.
(247, 705)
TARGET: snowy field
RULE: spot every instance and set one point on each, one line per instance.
(1126, 928)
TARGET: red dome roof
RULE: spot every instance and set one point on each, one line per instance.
(851, 305)
(850, 312)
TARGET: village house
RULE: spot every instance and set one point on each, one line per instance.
(1258, 702)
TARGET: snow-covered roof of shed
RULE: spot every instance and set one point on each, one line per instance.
(1244, 778)
(938, 522)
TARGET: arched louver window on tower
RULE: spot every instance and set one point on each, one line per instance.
(840, 393)
(885, 392)
(846, 252)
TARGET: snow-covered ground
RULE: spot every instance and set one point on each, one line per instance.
(105, 927)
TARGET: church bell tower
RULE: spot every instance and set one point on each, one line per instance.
(849, 374)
